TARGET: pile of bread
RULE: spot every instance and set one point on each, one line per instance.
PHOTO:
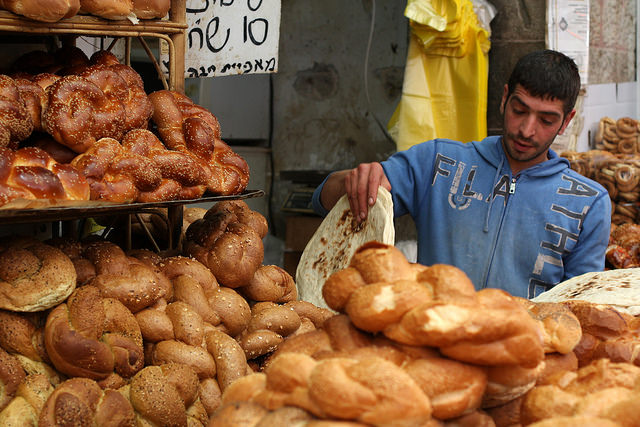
(618, 173)
(618, 136)
(53, 11)
(91, 335)
(77, 128)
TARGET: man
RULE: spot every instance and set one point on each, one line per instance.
(507, 210)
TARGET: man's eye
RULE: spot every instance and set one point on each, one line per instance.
(518, 112)
(547, 122)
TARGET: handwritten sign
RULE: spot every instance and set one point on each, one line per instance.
(227, 37)
(568, 31)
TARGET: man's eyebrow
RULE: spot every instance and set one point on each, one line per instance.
(545, 112)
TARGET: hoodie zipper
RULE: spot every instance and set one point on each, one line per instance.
(512, 190)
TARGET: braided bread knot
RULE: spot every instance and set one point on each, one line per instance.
(228, 240)
(137, 106)
(114, 174)
(79, 113)
(434, 306)
(93, 337)
(185, 126)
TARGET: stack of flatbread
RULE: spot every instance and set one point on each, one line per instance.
(619, 288)
(333, 244)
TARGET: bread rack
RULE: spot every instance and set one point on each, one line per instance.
(173, 32)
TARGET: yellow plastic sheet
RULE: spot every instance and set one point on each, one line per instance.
(444, 94)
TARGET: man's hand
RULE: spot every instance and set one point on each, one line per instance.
(361, 185)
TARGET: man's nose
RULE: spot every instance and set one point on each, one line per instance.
(528, 126)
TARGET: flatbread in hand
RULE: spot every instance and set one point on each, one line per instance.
(335, 241)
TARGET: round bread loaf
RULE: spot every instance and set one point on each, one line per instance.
(34, 276)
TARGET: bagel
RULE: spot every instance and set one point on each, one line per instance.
(627, 145)
(626, 178)
(626, 127)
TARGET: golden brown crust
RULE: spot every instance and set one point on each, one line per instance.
(182, 177)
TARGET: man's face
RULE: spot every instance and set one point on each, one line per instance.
(530, 126)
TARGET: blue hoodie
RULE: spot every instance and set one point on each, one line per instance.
(523, 234)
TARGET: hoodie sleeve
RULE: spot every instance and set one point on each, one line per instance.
(409, 173)
(589, 253)
(316, 204)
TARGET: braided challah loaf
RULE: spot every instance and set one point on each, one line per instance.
(114, 174)
(602, 389)
(270, 283)
(125, 278)
(137, 106)
(435, 306)
(30, 173)
(185, 126)
(369, 390)
(11, 375)
(150, 9)
(182, 176)
(93, 337)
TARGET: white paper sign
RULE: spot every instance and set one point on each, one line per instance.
(226, 37)
(568, 31)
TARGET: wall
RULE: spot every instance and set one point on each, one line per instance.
(321, 117)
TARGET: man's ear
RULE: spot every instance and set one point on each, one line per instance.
(566, 121)
(505, 92)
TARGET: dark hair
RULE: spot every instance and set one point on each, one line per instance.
(547, 74)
